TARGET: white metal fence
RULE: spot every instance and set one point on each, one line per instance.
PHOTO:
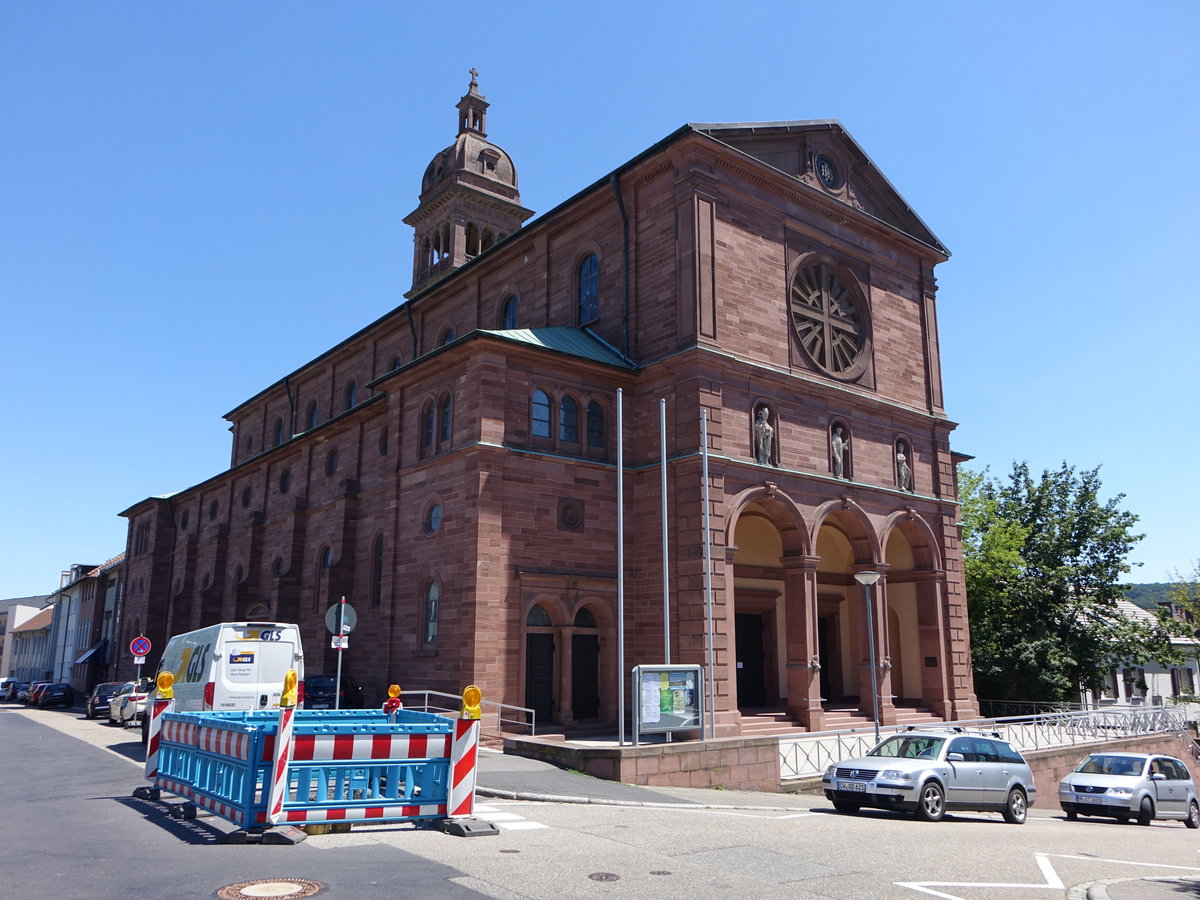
(810, 755)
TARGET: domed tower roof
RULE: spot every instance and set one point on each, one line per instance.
(469, 198)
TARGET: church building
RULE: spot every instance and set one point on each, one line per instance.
(451, 469)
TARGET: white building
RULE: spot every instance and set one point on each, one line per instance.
(1149, 682)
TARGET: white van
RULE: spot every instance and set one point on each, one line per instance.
(233, 665)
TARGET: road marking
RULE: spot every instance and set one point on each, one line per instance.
(506, 820)
(1052, 883)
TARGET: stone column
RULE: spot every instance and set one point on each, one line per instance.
(802, 650)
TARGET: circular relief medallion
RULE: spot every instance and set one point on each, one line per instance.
(827, 172)
(830, 320)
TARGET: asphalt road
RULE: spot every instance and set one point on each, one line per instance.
(69, 826)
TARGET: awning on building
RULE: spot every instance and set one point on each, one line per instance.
(94, 654)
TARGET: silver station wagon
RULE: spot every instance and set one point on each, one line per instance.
(1122, 786)
(932, 771)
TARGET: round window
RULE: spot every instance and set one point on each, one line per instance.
(829, 317)
(433, 518)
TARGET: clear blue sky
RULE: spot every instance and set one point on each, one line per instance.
(197, 198)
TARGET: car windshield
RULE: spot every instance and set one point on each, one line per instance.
(319, 682)
(909, 747)
(109, 687)
(1106, 764)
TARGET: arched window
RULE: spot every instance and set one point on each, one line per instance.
(383, 441)
(509, 317)
(589, 289)
(488, 240)
(397, 361)
(433, 597)
(428, 419)
(472, 239)
(568, 420)
(538, 617)
(352, 394)
(595, 425)
(278, 433)
(314, 411)
(445, 422)
(377, 573)
(585, 619)
(539, 414)
(331, 462)
(447, 336)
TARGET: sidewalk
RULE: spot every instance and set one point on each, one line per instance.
(519, 778)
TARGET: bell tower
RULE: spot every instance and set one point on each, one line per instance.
(469, 199)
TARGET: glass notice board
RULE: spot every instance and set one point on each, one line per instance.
(668, 698)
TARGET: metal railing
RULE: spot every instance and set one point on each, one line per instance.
(496, 717)
(810, 755)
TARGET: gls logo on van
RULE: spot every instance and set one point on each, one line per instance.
(196, 663)
(243, 659)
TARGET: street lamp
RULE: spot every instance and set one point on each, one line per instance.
(866, 579)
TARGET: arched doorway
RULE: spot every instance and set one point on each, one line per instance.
(758, 609)
(539, 663)
(585, 667)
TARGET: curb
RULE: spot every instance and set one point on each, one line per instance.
(604, 801)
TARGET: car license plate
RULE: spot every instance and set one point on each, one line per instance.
(1086, 798)
(859, 786)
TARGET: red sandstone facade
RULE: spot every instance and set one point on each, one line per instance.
(727, 269)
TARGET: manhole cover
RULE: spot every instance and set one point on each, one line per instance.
(271, 889)
(604, 876)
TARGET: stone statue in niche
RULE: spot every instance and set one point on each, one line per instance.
(903, 472)
(764, 437)
(840, 444)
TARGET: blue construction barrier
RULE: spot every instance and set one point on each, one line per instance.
(341, 765)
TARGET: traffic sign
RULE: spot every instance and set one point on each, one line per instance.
(140, 646)
(348, 616)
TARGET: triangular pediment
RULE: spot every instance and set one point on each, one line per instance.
(821, 154)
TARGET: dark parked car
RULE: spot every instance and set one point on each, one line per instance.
(101, 695)
(35, 688)
(12, 690)
(58, 694)
(319, 692)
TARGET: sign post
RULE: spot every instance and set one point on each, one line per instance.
(140, 648)
(340, 619)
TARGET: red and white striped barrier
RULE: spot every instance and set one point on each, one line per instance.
(158, 708)
(325, 747)
(283, 748)
(364, 814)
(463, 767)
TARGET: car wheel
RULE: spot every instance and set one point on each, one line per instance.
(89, 712)
(846, 807)
(1193, 819)
(1145, 811)
(1015, 808)
(931, 805)
(1071, 815)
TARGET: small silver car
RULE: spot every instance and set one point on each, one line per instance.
(1122, 786)
(932, 771)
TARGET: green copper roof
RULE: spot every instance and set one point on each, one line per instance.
(571, 341)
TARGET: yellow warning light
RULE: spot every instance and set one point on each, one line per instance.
(394, 690)
(471, 697)
(165, 683)
(289, 688)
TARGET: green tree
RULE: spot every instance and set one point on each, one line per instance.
(1042, 559)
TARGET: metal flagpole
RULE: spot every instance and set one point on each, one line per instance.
(620, 573)
(708, 616)
(662, 440)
